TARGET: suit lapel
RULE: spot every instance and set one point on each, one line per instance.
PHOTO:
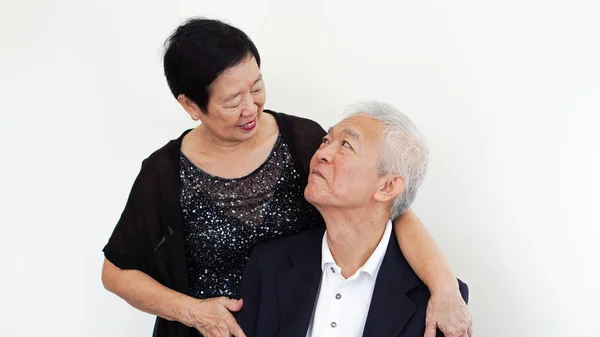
(390, 307)
(298, 286)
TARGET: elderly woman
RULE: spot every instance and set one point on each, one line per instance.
(201, 203)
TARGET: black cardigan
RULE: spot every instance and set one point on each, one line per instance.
(149, 237)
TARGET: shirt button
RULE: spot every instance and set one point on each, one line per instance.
(338, 296)
(333, 324)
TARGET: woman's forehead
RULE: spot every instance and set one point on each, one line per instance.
(236, 78)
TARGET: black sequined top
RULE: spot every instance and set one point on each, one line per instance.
(224, 219)
(150, 237)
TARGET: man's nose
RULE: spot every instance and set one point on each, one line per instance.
(324, 154)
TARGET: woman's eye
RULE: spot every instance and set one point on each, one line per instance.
(257, 90)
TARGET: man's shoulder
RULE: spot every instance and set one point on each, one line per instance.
(279, 248)
(395, 263)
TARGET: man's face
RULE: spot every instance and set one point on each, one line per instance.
(343, 171)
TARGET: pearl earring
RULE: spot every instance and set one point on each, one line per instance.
(195, 118)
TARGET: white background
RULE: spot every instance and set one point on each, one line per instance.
(507, 93)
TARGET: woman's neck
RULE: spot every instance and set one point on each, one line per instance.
(208, 143)
(229, 159)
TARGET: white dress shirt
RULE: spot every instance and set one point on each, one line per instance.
(343, 304)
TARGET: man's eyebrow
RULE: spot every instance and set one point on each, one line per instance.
(351, 133)
(347, 131)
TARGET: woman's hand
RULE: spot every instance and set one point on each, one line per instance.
(212, 317)
(448, 312)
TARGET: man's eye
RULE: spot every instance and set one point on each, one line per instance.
(325, 141)
(346, 144)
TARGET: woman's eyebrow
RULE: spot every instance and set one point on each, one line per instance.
(232, 96)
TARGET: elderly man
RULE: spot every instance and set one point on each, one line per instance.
(350, 279)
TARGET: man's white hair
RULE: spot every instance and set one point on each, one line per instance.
(403, 149)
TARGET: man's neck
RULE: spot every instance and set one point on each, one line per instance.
(353, 236)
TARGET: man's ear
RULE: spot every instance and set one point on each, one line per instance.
(392, 187)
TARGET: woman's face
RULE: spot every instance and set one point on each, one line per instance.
(236, 102)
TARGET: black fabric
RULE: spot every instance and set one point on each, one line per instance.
(224, 219)
(281, 284)
(149, 235)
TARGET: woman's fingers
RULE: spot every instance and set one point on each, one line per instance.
(235, 328)
(212, 317)
(231, 305)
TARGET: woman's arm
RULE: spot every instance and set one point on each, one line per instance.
(211, 317)
(446, 309)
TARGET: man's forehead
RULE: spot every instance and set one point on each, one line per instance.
(349, 130)
(357, 126)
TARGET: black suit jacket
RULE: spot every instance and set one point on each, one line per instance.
(281, 284)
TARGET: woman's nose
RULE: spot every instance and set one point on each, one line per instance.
(249, 107)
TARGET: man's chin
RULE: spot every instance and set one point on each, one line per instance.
(311, 195)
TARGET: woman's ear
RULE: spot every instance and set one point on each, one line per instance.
(188, 105)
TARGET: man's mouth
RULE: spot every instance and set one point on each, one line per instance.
(317, 173)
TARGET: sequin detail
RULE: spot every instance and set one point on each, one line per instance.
(224, 219)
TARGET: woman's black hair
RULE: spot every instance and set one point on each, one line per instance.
(198, 51)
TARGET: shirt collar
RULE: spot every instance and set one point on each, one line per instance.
(373, 263)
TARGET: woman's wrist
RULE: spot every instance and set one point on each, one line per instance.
(445, 284)
(184, 310)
